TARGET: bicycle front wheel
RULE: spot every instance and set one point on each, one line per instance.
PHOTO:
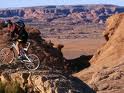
(34, 62)
(6, 56)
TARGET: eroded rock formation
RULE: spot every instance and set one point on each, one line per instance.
(106, 73)
(109, 80)
(46, 82)
(111, 53)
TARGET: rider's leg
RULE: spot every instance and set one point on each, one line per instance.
(17, 47)
(21, 47)
(22, 51)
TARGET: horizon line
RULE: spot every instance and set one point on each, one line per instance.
(58, 5)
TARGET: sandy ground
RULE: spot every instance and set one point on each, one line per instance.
(74, 48)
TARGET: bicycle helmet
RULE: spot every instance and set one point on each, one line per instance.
(5, 23)
(20, 23)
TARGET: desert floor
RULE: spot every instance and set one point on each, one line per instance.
(74, 48)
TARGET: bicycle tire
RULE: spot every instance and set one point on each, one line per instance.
(6, 55)
(34, 64)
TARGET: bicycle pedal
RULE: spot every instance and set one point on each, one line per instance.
(25, 49)
(19, 58)
(11, 48)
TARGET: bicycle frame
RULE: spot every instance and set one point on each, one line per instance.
(26, 49)
(14, 46)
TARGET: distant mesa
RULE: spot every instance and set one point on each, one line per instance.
(86, 13)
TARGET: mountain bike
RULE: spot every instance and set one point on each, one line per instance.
(8, 55)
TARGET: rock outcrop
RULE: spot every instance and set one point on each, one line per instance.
(44, 50)
(50, 77)
(111, 53)
(106, 73)
(109, 80)
(45, 82)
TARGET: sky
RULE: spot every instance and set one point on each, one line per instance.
(26, 3)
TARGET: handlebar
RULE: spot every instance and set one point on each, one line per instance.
(12, 40)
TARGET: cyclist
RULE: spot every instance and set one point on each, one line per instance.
(17, 30)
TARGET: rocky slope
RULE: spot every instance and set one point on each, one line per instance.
(76, 14)
(109, 80)
(111, 53)
(50, 77)
(106, 72)
(44, 50)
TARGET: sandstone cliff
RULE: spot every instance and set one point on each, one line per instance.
(106, 73)
(111, 53)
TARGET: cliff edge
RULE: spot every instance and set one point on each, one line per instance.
(106, 73)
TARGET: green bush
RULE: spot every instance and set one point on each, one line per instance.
(2, 87)
(11, 87)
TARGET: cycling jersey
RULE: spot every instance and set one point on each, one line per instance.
(22, 34)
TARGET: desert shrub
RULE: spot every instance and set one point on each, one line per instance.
(11, 87)
(2, 87)
(2, 25)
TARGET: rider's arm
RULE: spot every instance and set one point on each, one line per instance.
(13, 33)
(11, 27)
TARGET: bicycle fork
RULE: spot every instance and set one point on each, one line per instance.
(22, 53)
(27, 58)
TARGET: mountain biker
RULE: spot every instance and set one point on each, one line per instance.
(17, 30)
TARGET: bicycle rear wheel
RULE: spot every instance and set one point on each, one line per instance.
(6, 55)
(34, 64)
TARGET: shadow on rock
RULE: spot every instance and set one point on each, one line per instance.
(77, 64)
(80, 85)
